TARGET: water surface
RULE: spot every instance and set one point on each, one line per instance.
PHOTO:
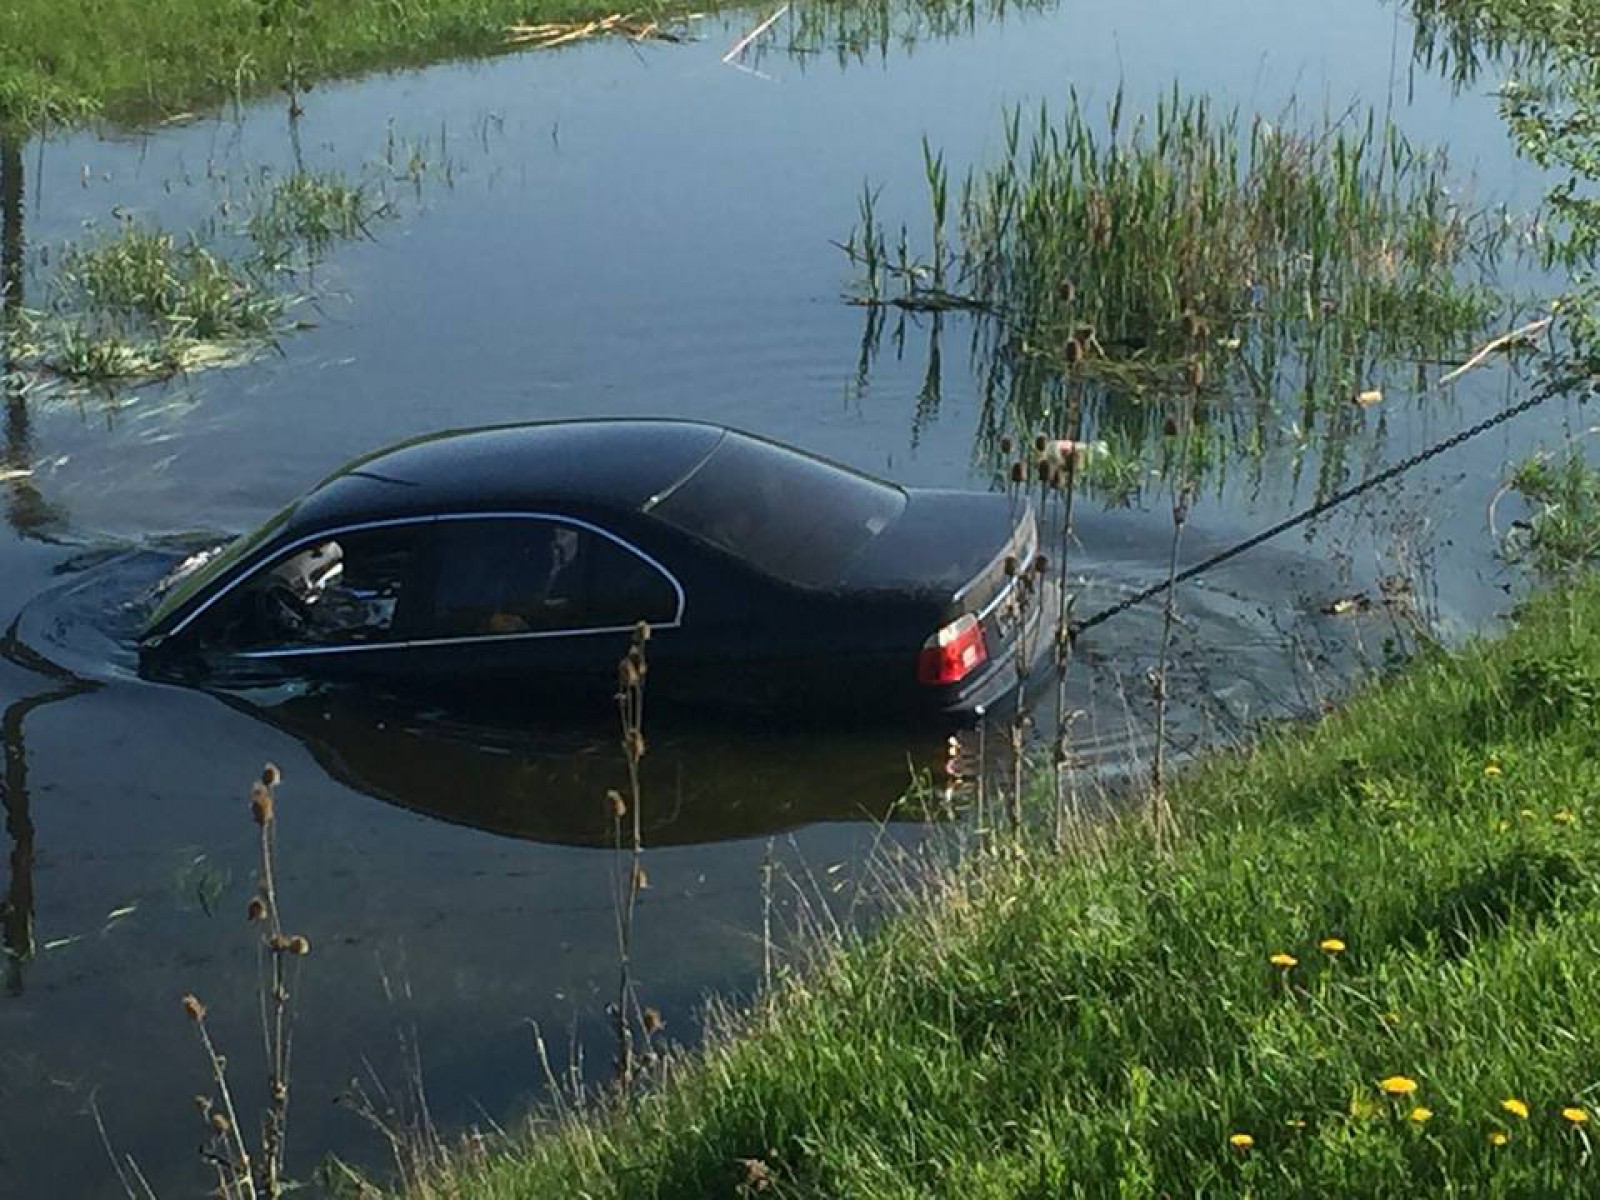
(611, 230)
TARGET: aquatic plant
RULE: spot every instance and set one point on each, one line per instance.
(143, 304)
(1132, 258)
(852, 31)
(1561, 535)
(301, 216)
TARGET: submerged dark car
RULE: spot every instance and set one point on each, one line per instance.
(513, 563)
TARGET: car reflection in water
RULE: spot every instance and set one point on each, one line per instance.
(548, 782)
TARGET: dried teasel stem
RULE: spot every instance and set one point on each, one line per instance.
(234, 1168)
(632, 672)
(241, 1176)
(276, 1027)
(766, 920)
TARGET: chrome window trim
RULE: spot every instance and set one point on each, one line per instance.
(434, 519)
(463, 640)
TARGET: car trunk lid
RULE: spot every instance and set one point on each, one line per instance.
(946, 544)
(952, 548)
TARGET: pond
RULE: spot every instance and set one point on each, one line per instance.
(607, 230)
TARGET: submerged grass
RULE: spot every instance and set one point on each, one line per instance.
(1360, 969)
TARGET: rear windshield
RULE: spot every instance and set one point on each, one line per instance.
(792, 516)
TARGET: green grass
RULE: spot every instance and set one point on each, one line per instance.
(67, 59)
(1102, 1024)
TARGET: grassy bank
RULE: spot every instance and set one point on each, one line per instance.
(67, 59)
(1366, 968)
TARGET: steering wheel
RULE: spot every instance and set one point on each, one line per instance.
(282, 611)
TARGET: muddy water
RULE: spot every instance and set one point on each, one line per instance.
(611, 231)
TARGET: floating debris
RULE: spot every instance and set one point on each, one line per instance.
(1517, 337)
(744, 43)
(1356, 602)
(549, 34)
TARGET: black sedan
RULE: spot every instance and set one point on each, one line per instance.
(513, 563)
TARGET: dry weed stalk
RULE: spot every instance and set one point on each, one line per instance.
(631, 672)
(239, 1175)
(1064, 481)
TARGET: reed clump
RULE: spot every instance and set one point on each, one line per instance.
(854, 32)
(1274, 269)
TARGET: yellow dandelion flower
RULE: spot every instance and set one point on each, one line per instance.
(1515, 1107)
(1241, 1141)
(1421, 1114)
(1498, 1138)
(1398, 1085)
(1575, 1116)
(1563, 816)
(1331, 946)
(1389, 1018)
(1492, 769)
(1285, 961)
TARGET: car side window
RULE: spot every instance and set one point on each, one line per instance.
(516, 575)
(347, 589)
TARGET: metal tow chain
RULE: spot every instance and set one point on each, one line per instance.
(1074, 628)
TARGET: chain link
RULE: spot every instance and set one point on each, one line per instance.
(1310, 514)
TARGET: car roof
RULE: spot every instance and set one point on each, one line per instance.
(606, 464)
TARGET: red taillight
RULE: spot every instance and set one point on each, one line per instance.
(953, 653)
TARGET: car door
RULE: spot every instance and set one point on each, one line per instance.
(532, 606)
